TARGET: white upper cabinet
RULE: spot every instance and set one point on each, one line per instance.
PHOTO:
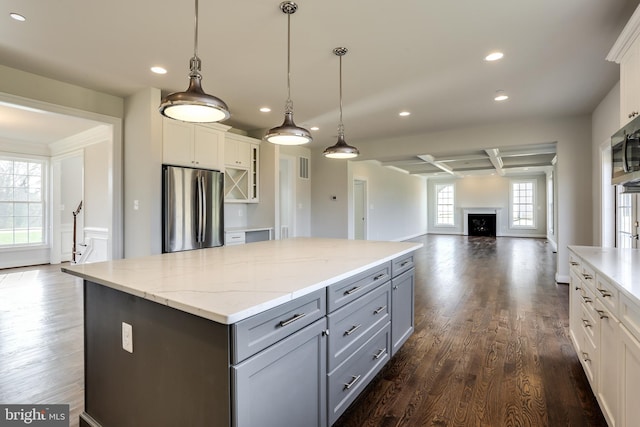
(237, 153)
(187, 144)
(241, 158)
(626, 52)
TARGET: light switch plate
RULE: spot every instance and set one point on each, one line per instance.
(127, 337)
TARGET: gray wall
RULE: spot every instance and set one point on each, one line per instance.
(605, 121)
(329, 197)
(143, 174)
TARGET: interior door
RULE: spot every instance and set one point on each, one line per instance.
(359, 209)
(627, 219)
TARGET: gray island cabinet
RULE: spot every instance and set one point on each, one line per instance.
(278, 333)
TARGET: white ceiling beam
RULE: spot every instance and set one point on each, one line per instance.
(496, 160)
(430, 159)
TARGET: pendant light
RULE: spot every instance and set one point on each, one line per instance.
(341, 150)
(288, 133)
(194, 105)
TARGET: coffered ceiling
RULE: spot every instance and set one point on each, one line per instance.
(424, 57)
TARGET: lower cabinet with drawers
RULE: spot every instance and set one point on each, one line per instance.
(299, 364)
(604, 328)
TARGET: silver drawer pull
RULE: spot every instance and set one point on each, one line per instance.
(601, 314)
(586, 299)
(354, 379)
(352, 330)
(586, 323)
(587, 276)
(404, 263)
(585, 357)
(380, 353)
(293, 319)
(352, 290)
(379, 276)
(380, 310)
(574, 263)
(605, 293)
(578, 288)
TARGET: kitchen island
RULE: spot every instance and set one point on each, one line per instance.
(273, 333)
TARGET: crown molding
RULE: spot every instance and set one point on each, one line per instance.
(626, 38)
(78, 141)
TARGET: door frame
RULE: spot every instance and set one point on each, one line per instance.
(365, 203)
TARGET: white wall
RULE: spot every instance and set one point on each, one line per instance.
(397, 202)
(143, 174)
(488, 192)
(329, 197)
(605, 121)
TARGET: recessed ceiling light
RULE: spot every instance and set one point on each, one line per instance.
(501, 96)
(314, 128)
(158, 70)
(404, 113)
(265, 109)
(494, 56)
(17, 17)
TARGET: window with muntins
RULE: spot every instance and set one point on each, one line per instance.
(522, 204)
(445, 198)
(21, 202)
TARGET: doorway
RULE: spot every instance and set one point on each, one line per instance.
(360, 209)
(627, 219)
(68, 190)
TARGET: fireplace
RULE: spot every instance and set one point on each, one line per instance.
(482, 224)
(494, 212)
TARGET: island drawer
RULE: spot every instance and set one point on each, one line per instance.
(349, 379)
(402, 264)
(352, 325)
(258, 332)
(607, 294)
(350, 289)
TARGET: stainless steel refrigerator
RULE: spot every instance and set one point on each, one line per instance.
(192, 208)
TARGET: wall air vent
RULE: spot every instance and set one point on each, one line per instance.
(304, 168)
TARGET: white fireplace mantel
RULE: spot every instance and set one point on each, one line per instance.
(481, 211)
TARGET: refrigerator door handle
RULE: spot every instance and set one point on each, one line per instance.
(199, 194)
(203, 212)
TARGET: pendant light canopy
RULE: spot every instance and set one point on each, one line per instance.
(288, 133)
(194, 105)
(341, 150)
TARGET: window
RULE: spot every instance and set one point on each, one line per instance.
(522, 204)
(625, 217)
(445, 204)
(21, 202)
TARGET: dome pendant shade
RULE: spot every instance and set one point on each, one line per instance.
(288, 133)
(341, 150)
(194, 105)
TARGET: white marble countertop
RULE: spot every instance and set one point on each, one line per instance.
(621, 266)
(230, 283)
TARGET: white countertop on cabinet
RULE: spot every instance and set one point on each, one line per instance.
(622, 266)
(230, 283)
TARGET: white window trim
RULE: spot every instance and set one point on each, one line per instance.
(45, 202)
(534, 204)
(436, 224)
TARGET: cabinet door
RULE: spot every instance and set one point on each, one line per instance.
(575, 304)
(208, 148)
(608, 360)
(237, 153)
(284, 385)
(402, 298)
(629, 379)
(630, 83)
(177, 143)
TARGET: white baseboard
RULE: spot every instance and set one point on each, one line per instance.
(96, 241)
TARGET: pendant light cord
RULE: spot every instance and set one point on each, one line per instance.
(194, 64)
(340, 124)
(288, 107)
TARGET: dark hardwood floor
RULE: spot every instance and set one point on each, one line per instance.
(490, 348)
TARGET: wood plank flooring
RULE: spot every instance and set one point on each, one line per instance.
(490, 348)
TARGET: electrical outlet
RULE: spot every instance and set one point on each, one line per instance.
(127, 337)
(136, 205)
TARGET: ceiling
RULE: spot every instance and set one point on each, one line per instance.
(415, 55)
